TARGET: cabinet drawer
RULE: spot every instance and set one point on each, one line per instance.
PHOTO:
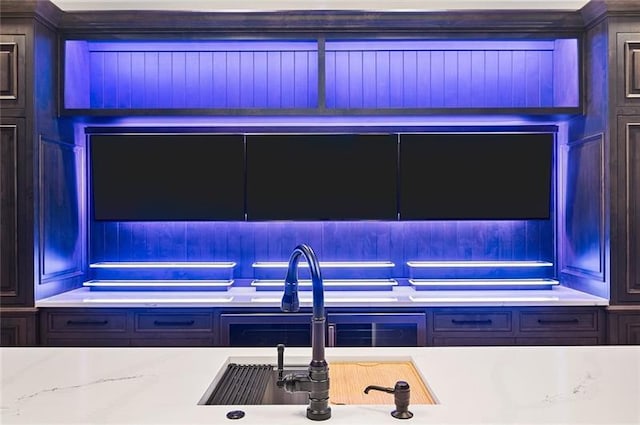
(87, 322)
(558, 321)
(172, 342)
(471, 341)
(173, 322)
(87, 342)
(471, 321)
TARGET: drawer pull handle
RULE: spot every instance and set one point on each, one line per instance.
(174, 323)
(558, 321)
(471, 322)
(87, 322)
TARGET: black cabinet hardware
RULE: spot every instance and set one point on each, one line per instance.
(87, 322)
(558, 321)
(174, 323)
(471, 322)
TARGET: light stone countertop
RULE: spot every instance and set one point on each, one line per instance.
(473, 385)
(400, 297)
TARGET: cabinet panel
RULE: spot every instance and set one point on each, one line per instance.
(9, 211)
(629, 60)
(582, 247)
(265, 330)
(173, 322)
(18, 329)
(446, 341)
(557, 340)
(87, 342)
(626, 253)
(451, 321)
(558, 321)
(624, 327)
(12, 71)
(87, 322)
(171, 342)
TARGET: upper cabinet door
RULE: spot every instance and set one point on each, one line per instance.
(628, 63)
(12, 72)
(625, 267)
(11, 132)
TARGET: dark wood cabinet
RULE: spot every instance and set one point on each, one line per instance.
(626, 288)
(12, 69)
(624, 325)
(517, 326)
(128, 327)
(11, 138)
(18, 327)
(358, 329)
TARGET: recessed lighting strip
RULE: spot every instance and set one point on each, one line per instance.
(329, 300)
(327, 282)
(483, 282)
(163, 265)
(473, 264)
(157, 300)
(157, 283)
(327, 264)
(448, 299)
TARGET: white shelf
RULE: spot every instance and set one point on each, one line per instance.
(327, 264)
(474, 264)
(163, 265)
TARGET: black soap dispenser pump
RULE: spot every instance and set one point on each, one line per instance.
(401, 395)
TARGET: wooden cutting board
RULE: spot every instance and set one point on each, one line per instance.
(349, 379)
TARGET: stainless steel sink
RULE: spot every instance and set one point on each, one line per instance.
(246, 381)
(245, 384)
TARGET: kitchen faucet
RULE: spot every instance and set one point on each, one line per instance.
(316, 381)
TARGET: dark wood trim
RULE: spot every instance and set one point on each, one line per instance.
(41, 10)
(553, 113)
(434, 23)
(597, 10)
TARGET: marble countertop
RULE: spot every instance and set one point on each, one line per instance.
(472, 385)
(398, 297)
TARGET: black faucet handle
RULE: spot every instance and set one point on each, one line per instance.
(401, 396)
(280, 348)
(280, 380)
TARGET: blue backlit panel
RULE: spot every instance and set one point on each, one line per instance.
(390, 245)
(452, 74)
(190, 75)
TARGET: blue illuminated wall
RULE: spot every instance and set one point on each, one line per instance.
(231, 77)
(452, 74)
(281, 74)
(248, 242)
(205, 74)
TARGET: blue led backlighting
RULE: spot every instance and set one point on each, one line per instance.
(328, 264)
(473, 264)
(162, 265)
(277, 74)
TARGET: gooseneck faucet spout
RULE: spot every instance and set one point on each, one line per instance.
(316, 383)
